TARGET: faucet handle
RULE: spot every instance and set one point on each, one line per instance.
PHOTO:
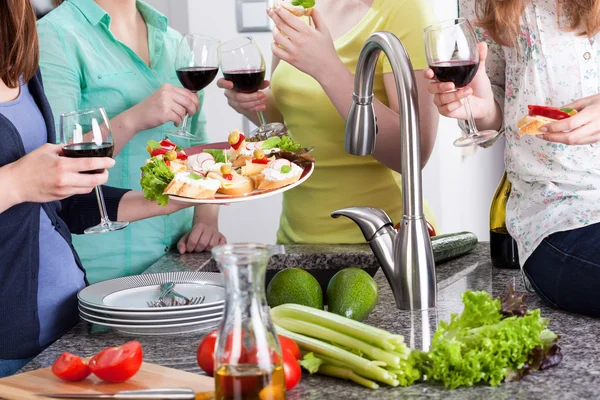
(370, 220)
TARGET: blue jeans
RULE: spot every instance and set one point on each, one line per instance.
(565, 270)
(9, 367)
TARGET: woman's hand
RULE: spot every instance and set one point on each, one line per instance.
(43, 175)
(309, 48)
(448, 99)
(201, 237)
(244, 102)
(580, 129)
(167, 104)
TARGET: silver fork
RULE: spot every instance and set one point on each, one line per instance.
(166, 289)
(174, 303)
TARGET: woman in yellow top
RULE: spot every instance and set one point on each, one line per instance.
(311, 92)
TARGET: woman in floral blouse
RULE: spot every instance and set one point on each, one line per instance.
(544, 52)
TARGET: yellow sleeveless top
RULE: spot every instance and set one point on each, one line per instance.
(341, 180)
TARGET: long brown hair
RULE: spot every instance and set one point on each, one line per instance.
(19, 53)
(501, 18)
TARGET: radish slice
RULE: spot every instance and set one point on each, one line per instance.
(199, 158)
(250, 146)
(206, 164)
(279, 163)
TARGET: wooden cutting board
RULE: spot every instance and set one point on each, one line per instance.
(25, 386)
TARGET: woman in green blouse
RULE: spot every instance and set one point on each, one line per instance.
(121, 55)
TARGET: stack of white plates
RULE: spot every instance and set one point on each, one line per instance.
(122, 303)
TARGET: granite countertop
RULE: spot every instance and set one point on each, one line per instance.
(577, 377)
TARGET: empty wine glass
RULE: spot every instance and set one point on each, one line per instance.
(243, 64)
(196, 65)
(86, 133)
(453, 55)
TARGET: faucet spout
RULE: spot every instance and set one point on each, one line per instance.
(412, 280)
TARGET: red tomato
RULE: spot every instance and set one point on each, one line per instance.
(117, 364)
(181, 155)
(291, 369)
(205, 355)
(430, 229)
(264, 160)
(69, 367)
(289, 344)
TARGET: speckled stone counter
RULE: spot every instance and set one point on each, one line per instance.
(577, 377)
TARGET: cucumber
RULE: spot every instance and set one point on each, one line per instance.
(452, 245)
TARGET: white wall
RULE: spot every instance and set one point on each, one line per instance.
(458, 186)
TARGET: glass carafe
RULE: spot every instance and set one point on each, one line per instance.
(248, 362)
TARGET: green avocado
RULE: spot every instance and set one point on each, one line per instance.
(294, 285)
(352, 293)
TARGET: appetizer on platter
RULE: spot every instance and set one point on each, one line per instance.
(299, 8)
(539, 116)
(248, 165)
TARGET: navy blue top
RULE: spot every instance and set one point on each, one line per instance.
(59, 276)
(24, 240)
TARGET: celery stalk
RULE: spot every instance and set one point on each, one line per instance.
(344, 373)
(329, 335)
(358, 364)
(366, 333)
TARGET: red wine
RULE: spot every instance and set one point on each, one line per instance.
(246, 81)
(503, 249)
(80, 150)
(196, 78)
(461, 73)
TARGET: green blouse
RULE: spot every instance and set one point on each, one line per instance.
(83, 65)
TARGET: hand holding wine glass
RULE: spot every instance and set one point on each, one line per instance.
(448, 98)
(86, 134)
(453, 55)
(197, 65)
(243, 64)
(61, 177)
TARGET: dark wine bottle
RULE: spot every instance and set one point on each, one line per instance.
(503, 248)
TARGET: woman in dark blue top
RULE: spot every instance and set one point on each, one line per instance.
(44, 199)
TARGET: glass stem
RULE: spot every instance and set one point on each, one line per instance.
(184, 123)
(261, 119)
(470, 120)
(103, 214)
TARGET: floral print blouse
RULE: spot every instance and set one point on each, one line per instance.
(555, 187)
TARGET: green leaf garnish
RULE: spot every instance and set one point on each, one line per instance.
(271, 143)
(218, 155)
(304, 3)
(311, 363)
(286, 169)
(153, 144)
(194, 176)
(155, 178)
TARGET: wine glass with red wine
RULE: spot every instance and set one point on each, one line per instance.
(243, 64)
(197, 65)
(86, 133)
(452, 54)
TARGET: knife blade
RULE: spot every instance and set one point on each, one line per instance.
(146, 394)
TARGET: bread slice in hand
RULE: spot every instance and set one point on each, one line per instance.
(531, 124)
(298, 11)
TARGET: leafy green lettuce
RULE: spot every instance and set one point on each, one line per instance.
(304, 3)
(218, 155)
(481, 345)
(156, 175)
(283, 143)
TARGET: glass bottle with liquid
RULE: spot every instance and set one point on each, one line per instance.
(503, 248)
(248, 360)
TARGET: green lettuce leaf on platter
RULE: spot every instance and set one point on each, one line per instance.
(156, 175)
